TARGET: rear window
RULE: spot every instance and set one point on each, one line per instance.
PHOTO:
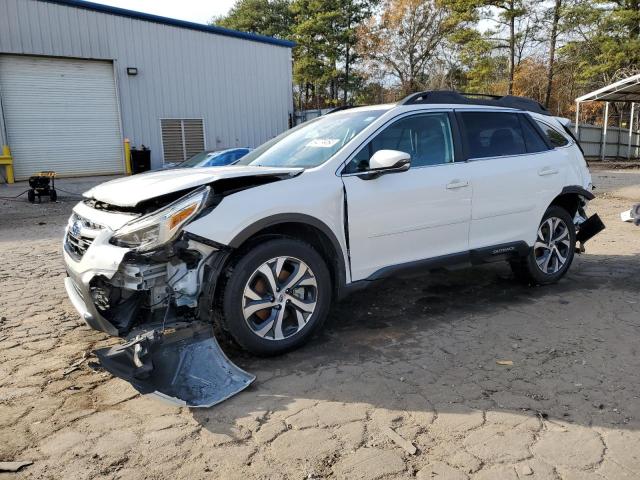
(498, 134)
(555, 137)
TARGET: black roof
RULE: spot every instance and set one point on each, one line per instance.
(452, 97)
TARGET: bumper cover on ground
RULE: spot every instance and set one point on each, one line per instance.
(186, 367)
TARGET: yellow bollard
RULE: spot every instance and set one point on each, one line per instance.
(127, 156)
(7, 161)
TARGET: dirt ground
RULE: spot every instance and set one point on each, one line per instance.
(416, 356)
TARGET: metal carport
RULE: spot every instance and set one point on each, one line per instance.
(623, 91)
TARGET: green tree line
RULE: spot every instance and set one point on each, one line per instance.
(372, 51)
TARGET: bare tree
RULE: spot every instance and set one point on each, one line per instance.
(553, 38)
(509, 12)
(405, 37)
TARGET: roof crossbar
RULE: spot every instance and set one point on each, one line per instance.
(452, 97)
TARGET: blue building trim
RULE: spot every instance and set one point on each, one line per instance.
(122, 12)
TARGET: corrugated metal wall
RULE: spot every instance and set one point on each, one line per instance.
(241, 88)
(590, 137)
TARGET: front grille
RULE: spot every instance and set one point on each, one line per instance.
(80, 234)
(78, 245)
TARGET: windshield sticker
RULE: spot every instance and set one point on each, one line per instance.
(323, 142)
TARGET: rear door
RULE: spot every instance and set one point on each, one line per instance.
(422, 213)
(514, 172)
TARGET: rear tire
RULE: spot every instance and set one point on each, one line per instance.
(53, 195)
(551, 256)
(31, 196)
(291, 280)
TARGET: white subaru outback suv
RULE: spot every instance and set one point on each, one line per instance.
(264, 246)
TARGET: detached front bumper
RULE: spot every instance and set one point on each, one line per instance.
(185, 367)
(177, 360)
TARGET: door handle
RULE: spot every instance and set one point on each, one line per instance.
(547, 171)
(457, 184)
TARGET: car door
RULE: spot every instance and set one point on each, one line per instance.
(514, 173)
(405, 217)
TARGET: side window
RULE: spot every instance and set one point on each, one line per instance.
(493, 134)
(532, 138)
(554, 136)
(427, 138)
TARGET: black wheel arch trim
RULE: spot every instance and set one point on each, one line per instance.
(300, 218)
(577, 189)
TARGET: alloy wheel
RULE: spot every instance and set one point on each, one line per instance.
(279, 298)
(552, 246)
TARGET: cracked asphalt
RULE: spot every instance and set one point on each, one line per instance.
(410, 363)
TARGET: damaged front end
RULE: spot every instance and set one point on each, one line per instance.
(136, 274)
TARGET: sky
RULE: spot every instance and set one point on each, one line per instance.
(198, 11)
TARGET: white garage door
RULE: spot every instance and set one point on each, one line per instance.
(61, 115)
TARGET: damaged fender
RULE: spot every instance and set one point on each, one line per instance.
(160, 301)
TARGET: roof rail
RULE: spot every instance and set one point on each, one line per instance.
(452, 97)
(339, 109)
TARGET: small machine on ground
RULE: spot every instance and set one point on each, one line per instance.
(42, 183)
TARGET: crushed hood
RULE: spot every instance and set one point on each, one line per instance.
(130, 191)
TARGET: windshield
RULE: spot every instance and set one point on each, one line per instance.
(196, 160)
(312, 143)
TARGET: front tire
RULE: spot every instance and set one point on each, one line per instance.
(276, 296)
(552, 253)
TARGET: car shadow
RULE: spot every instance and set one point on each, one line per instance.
(464, 341)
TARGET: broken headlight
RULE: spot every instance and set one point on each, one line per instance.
(162, 226)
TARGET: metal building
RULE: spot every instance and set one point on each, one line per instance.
(77, 78)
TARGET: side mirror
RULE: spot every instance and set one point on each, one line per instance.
(387, 161)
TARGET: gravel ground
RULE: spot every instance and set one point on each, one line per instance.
(412, 363)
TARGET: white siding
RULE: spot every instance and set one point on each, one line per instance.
(61, 115)
(240, 88)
